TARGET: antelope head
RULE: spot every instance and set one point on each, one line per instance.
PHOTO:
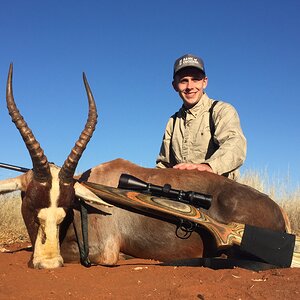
(47, 190)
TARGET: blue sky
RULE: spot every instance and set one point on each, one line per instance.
(127, 49)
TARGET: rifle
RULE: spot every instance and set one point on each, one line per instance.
(277, 248)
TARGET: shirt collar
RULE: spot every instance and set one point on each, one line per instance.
(202, 105)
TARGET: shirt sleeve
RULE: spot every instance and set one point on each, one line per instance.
(164, 160)
(230, 138)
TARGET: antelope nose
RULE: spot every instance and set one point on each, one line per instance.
(49, 263)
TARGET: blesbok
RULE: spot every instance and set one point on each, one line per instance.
(50, 205)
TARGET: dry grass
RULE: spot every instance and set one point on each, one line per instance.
(12, 228)
(279, 190)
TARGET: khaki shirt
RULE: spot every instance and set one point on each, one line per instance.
(187, 138)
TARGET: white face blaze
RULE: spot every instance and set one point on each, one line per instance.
(47, 249)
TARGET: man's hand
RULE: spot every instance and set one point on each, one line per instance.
(199, 167)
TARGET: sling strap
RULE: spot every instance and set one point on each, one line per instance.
(211, 120)
(84, 245)
(212, 146)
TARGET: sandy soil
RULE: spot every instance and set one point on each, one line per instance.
(141, 279)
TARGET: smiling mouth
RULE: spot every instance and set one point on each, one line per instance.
(190, 95)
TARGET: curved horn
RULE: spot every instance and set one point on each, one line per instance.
(68, 169)
(39, 160)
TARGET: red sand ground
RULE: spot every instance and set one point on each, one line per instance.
(141, 279)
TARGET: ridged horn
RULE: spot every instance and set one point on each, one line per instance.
(68, 169)
(39, 160)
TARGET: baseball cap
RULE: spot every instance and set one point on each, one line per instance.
(188, 60)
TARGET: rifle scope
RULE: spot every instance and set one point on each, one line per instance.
(194, 198)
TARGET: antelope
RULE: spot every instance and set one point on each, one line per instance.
(50, 197)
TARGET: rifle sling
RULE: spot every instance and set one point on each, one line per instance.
(84, 246)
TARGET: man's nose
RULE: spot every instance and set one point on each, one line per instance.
(190, 84)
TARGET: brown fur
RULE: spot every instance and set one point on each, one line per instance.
(31, 207)
(232, 201)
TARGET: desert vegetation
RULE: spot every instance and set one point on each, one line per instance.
(13, 230)
(12, 227)
(280, 190)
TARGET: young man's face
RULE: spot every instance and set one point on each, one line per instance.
(190, 84)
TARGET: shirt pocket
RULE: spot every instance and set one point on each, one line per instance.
(200, 141)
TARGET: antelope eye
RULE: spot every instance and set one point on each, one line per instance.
(36, 220)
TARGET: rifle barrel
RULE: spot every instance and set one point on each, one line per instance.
(14, 168)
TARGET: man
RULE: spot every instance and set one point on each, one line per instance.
(204, 134)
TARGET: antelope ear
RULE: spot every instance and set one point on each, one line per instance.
(87, 195)
(14, 184)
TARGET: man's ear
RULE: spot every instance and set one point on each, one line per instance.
(205, 82)
(175, 86)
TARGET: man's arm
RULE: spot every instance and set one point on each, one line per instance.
(164, 160)
(232, 142)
